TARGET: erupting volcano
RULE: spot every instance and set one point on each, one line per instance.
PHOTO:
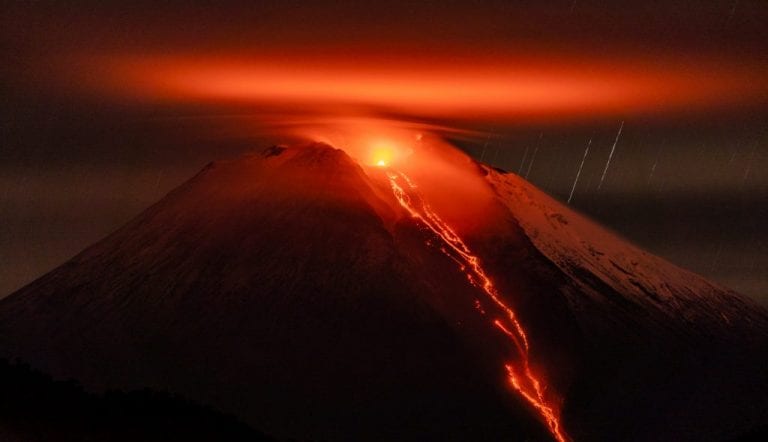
(388, 287)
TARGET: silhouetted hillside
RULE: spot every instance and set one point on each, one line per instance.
(34, 407)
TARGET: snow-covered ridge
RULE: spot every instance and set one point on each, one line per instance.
(581, 247)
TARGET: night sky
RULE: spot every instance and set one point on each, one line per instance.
(105, 108)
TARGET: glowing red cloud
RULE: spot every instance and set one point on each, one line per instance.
(475, 89)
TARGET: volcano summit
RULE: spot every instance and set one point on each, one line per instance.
(316, 297)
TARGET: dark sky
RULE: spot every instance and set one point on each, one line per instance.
(106, 107)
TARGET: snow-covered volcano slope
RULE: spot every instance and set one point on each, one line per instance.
(579, 246)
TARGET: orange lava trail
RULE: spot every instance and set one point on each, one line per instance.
(522, 379)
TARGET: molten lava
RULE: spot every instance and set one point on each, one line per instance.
(520, 375)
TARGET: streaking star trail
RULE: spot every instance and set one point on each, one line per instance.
(581, 166)
(610, 156)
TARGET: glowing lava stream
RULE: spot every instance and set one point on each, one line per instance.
(522, 380)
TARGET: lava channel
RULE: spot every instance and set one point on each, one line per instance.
(520, 376)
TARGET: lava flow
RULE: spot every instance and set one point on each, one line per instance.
(522, 379)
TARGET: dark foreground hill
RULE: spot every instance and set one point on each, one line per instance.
(35, 408)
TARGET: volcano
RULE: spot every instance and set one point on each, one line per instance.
(318, 298)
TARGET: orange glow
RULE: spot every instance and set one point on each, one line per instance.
(482, 88)
(382, 155)
(522, 379)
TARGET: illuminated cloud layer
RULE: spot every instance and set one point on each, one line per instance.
(474, 90)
